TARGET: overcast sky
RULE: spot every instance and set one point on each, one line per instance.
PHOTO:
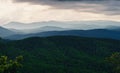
(28, 11)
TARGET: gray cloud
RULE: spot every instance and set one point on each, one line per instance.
(108, 7)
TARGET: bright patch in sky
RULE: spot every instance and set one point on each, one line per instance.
(27, 12)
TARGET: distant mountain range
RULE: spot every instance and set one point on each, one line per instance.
(97, 33)
(6, 32)
(81, 25)
(111, 32)
(43, 29)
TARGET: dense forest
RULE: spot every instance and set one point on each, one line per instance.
(62, 54)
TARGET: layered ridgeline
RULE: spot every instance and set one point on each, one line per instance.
(97, 29)
(61, 54)
(96, 33)
(5, 32)
(13, 34)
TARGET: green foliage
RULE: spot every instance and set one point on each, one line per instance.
(10, 66)
(62, 54)
(114, 60)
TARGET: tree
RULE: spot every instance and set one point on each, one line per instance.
(10, 66)
(114, 61)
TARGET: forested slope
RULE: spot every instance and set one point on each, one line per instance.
(61, 54)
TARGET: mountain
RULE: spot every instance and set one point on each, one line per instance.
(80, 25)
(34, 25)
(50, 28)
(97, 33)
(62, 54)
(115, 28)
(99, 29)
(5, 32)
(43, 29)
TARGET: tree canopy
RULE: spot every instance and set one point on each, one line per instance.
(114, 61)
(10, 66)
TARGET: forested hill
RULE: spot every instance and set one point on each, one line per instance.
(61, 54)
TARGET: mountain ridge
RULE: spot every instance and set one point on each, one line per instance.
(51, 30)
(71, 24)
(62, 54)
(5, 32)
(96, 33)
